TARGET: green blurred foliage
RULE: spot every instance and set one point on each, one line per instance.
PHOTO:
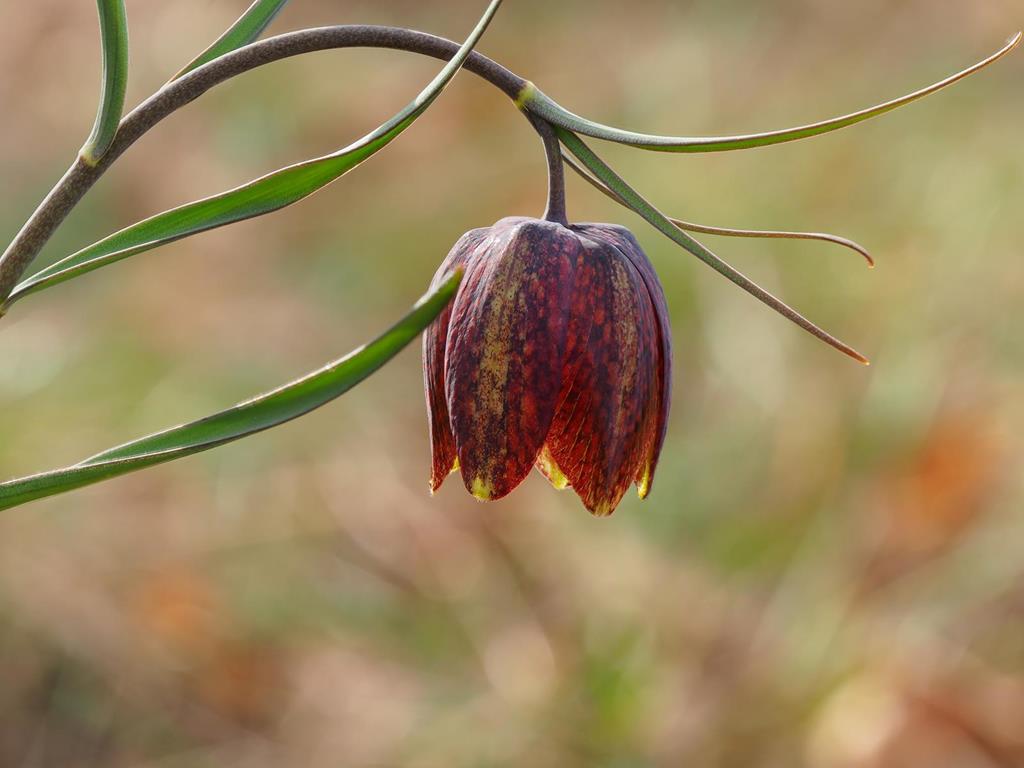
(828, 571)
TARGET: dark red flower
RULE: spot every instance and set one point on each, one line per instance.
(555, 353)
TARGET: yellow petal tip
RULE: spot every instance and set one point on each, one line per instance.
(643, 486)
(481, 489)
(550, 469)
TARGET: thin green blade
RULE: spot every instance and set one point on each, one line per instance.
(691, 226)
(250, 25)
(635, 201)
(114, 38)
(533, 100)
(261, 413)
(264, 195)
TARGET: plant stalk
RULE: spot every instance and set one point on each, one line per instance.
(80, 177)
(556, 170)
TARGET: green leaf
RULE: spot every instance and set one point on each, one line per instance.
(249, 26)
(632, 199)
(264, 195)
(261, 413)
(114, 37)
(533, 100)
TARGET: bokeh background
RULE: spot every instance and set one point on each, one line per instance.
(829, 571)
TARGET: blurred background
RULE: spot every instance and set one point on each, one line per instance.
(829, 570)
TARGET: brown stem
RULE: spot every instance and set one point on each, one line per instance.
(556, 172)
(80, 176)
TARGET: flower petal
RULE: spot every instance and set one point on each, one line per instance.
(442, 444)
(597, 435)
(506, 350)
(657, 422)
(549, 468)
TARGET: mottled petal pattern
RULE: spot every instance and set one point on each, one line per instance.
(555, 353)
(657, 422)
(442, 443)
(608, 389)
(506, 350)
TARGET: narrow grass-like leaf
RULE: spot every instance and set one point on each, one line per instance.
(533, 100)
(264, 195)
(659, 221)
(114, 38)
(261, 413)
(691, 226)
(250, 25)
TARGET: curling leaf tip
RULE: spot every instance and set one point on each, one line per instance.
(114, 40)
(659, 221)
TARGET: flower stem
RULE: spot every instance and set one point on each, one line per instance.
(556, 171)
(81, 176)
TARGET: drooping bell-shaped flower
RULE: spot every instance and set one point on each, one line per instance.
(555, 353)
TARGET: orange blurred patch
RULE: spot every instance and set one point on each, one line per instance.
(943, 489)
(239, 678)
(242, 681)
(179, 610)
(889, 722)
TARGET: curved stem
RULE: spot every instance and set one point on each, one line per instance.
(81, 176)
(556, 172)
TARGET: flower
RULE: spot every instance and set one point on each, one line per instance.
(554, 353)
